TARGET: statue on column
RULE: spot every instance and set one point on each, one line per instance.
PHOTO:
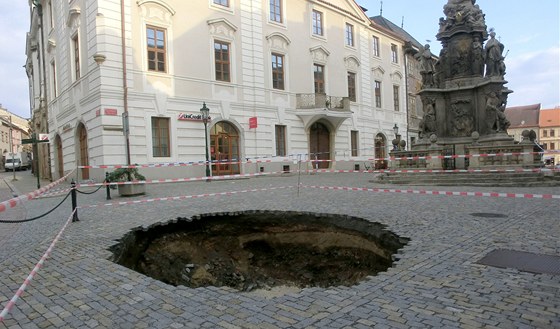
(428, 122)
(427, 67)
(496, 119)
(493, 56)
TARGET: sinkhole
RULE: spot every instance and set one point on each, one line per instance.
(260, 250)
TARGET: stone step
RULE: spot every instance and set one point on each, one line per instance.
(470, 179)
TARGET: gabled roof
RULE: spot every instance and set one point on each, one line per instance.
(523, 116)
(388, 25)
(550, 118)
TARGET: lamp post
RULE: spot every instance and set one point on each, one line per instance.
(205, 113)
(398, 144)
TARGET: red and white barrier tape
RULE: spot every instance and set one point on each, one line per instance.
(18, 200)
(178, 180)
(184, 197)
(447, 193)
(203, 163)
(429, 170)
(27, 281)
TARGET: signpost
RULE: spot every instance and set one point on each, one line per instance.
(43, 138)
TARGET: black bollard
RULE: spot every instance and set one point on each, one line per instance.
(74, 202)
(108, 187)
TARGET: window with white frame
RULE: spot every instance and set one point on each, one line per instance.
(224, 3)
(394, 53)
(319, 77)
(276, 11)
(222, 61)
(378, 94)
(53, 74)
(76, 56)
(376, 51)
(317, 19)
(280, 131)
(352, 86)
(157, 49)
(160, 137)
(354, 142)
(396, 98)
(277, 71)
(349, 35)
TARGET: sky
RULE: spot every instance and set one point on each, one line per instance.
(529, 30)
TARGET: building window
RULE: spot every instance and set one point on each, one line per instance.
(319, 76)
(352, 86)
(160, 137)
(396, 97)
(349, 35)
(552, 146)
(224, 3)
(222, 62)
(317, 18)
(156, 49)
(394, 54)
(54, 87)
(280, 140)
(412, 104)
(277, 71)
(545, 146)
(354, 143)
(378, 94)
(276, 11)
(376, 51)
(545, 133)
(76, 49)
(551, 132)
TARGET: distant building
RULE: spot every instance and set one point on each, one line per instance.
(14, 127)
(523, 118)
(549, 123)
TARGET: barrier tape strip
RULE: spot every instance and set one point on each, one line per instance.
(32, 195)
(284, 159)
(177, 180)
(27, 281)
(183, 197)
(447, 193)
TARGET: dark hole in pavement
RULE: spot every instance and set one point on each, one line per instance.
(488, 215)
(260, 250)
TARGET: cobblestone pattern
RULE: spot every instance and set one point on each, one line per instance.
(435, 283)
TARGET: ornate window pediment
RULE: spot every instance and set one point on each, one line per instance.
(378, 72)
(156, 11)
(222, 27)
(352, 63)
(396, 76)
(320, 54)
(278, 41)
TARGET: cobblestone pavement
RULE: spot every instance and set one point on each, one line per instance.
(435, 283)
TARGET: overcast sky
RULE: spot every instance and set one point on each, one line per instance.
(530, 31)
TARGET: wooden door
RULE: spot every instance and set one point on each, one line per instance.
(320, 145)
(59, 156)
(84, 158)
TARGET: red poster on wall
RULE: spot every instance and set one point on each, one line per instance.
(253, 122)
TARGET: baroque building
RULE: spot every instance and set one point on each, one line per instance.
(122, 82)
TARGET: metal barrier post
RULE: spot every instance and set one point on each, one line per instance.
(108, 187)
(74, 202)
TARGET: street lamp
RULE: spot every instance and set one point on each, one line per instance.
(205, 113)
(398, 144)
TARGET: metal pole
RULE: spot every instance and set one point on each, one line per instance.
(107, 187)
(12, 148)
(74, 202)
(206, 147)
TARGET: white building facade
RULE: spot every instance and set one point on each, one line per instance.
(284, 81)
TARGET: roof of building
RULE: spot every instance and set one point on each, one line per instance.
(388, 25)
(550, 118)
(523, 116)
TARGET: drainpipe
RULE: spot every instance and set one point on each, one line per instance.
(125, 83)
(406, 98)
(45, 96)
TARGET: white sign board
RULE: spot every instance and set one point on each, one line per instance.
(43, 137)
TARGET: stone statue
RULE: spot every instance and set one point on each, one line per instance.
(427, 66)
(495, 117)
(463, 123)
(428, 123)
(493, 55)
(478, 57)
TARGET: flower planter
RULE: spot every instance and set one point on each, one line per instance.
(132, 189)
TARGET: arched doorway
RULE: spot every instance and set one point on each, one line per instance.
(83, 150)
(320, 145)
(59, 156)
(224, 149)
(380, 152)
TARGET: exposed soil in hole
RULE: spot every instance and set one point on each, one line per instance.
(257, 249)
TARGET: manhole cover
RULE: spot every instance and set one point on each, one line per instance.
(523, 261)
(260, 249)
(488, 215)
